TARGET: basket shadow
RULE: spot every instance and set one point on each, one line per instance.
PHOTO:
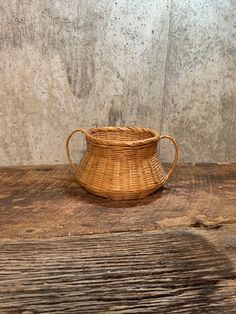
(109, 203)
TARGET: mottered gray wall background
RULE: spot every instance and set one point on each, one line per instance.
(168, 65)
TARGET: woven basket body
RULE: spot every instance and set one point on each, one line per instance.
(121, 163)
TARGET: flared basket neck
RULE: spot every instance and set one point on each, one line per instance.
(122, 136)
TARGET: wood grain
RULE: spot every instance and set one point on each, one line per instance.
(174, 271)
(184, 270)
(46, 201)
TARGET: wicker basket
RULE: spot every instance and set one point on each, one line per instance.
(121, 163)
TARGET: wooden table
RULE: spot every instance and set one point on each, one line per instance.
(63, 250)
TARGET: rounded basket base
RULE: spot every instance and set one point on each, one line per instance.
(119, 195)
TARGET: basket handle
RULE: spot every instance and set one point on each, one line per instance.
(172, 139)
(68, 147)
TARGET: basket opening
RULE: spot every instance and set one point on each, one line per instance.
(122, 134)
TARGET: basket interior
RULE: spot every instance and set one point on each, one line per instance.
(122, 134)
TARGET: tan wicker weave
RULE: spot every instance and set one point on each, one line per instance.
(121, 163)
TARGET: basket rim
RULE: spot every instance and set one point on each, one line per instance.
(97, 140)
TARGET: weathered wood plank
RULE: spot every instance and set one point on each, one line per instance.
(46, 201)
(175, 271)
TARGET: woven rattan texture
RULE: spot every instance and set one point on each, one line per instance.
(121, 162)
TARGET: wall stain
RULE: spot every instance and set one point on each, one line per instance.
(115, 115)
(110, 50)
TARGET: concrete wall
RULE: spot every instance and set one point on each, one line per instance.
(169, 65)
